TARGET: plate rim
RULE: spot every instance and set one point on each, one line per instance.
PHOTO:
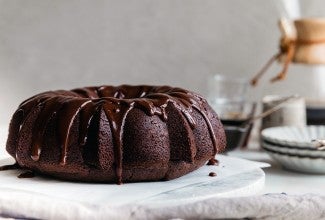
(289, 142)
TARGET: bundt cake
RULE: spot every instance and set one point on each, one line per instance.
(115, 134)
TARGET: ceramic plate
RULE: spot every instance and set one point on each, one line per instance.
(294, 151)
(297, 163)
(294, 136)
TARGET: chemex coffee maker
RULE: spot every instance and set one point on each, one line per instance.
(302, 41)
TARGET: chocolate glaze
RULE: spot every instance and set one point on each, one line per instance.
(212, 174)
(27, 174)
(212, 162)
(116, 102)
(14, 166)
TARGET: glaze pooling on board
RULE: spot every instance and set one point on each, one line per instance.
(116, 102)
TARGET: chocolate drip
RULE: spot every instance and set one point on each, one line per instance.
(14, 166)
(213, 162)
(212, 134)
(27, 174)
(86, 92)
(86, 115)
(49, 107)
(116, 113)
(116, 102)
(159, 101)
(69, 112)
(40, 125)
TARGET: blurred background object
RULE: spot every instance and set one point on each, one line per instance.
(228, 97)
(300, 149)
(291, 113)
(238, 130)
(316, 113)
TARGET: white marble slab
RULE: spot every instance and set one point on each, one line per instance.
(235, 177)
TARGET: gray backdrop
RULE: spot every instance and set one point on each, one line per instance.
(61, 44)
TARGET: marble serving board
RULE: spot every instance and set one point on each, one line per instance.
(235, 177)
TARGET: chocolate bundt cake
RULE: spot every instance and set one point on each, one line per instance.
(115, 134)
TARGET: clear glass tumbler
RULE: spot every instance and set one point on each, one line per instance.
(228, 96)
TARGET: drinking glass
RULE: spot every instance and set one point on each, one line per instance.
(228, 96)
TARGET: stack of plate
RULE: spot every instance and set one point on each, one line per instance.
(298, 149)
